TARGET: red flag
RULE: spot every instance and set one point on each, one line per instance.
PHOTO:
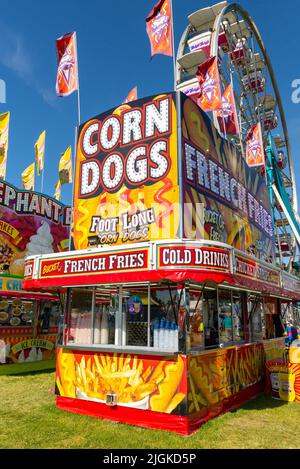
(67, 72)
(132, 95)
(227, 117)
(255, 147)
(159, 28)
(210, 98)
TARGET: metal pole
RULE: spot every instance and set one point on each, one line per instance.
(173, 46)
(73, 182)
(78, 104)
(78, 87)
(42, 180)
(92, 326)
(149, 318)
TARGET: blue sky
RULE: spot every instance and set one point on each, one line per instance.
(114, 52)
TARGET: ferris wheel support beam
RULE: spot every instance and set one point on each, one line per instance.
(214, 52)
(286, 212)
(179, 53)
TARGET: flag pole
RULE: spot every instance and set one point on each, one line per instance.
(78, 87)
(42, 180)
(173, 45)
(75, 144)
(73, 182)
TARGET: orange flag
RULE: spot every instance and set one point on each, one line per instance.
(227, 117)
(67, 72)
(210, 98)
(255, 147)
(132, 96)
(159, 26)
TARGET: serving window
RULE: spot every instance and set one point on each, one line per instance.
(274, 323)
(264, 318)
(125, 316)
(210, 318)
(16, 312)
(157, 316)
(216, 317)
(225, 316)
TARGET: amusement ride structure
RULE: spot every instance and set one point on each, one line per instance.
(227, 32)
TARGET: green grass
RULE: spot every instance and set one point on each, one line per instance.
(29, 367)
(29, 419)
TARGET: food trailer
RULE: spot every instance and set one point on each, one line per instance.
(169, 315)
(30, 223)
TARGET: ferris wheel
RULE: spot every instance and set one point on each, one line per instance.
(227, 32)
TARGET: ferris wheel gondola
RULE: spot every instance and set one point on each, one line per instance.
(227, 32)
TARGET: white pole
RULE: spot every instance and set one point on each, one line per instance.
(173, 45)
(78, 105)
(73, 182)
(75, 144)
(78, 87)
(42, 177)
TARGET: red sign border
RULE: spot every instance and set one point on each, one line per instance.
(199, 267)
(94, 255)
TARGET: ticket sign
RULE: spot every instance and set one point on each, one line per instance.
(123, 261)
(202, 257)
(126, 181)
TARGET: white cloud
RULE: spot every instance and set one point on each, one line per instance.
(14, 56)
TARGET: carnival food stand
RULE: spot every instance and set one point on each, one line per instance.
(30, 223)
(168, 316)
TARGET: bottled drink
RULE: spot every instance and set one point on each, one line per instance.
(161, 334)
(156, 333)
(174, 336)
(167, 335)
(124, 327)
(172, 332)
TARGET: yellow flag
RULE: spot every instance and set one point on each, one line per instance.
(57, 192)
(4, 125)
(65, 167)
(28, 178)
(39, 147)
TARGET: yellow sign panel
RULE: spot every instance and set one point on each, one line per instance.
(126, 184)
(9, 230)
(10, 284)
(25, 344)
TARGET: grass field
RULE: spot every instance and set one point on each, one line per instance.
(29, 419)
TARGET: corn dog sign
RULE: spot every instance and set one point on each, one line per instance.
(126, 180)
